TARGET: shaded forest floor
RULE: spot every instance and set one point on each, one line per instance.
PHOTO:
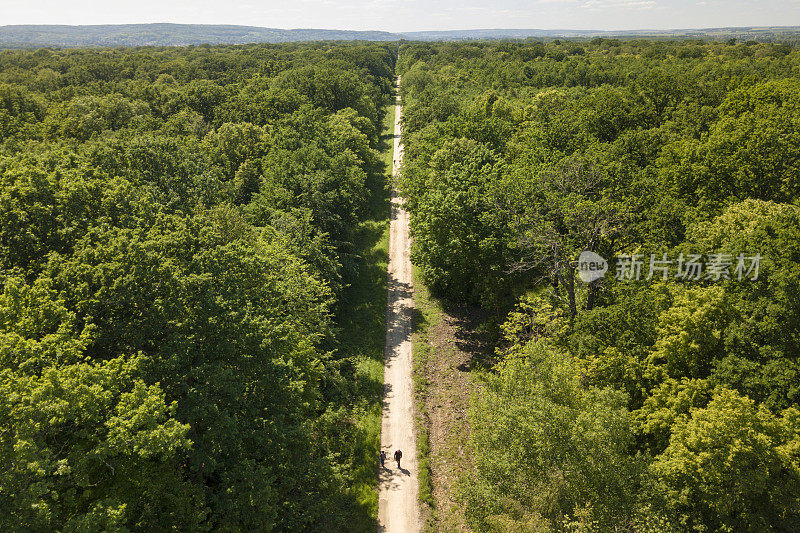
(447, 346)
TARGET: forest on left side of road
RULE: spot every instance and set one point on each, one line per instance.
(177, 234)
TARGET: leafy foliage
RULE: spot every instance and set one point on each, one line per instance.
(657, 405)
(173, 250)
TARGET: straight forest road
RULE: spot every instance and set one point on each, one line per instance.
(398, 507)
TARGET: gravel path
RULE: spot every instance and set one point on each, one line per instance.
(398, 506)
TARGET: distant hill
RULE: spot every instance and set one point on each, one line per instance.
(169, 35)
(755, 33)
(24, 36)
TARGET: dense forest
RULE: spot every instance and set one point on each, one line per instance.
(183, 316)
(162, 34)
(177, 234)
(663, 396)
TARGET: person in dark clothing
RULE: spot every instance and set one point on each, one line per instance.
(383, 458)
(397, 455)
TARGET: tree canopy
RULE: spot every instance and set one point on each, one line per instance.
(659, 398)
(176, 230)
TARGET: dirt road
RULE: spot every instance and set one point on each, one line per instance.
(398, 509)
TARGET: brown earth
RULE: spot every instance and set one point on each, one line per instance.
(454, 347)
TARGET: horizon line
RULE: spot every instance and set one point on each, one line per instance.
(401, 32)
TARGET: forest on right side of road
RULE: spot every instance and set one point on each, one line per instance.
(663, 396)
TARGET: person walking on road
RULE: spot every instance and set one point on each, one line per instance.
(383, 458)
(397, 455)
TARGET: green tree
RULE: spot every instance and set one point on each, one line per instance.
(732, 466)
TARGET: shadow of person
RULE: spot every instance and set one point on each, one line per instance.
(405, 471)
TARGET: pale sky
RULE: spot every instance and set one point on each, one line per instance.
(412, 15)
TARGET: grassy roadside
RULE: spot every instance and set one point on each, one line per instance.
(427, 316)
(362, 323)
(387, 134)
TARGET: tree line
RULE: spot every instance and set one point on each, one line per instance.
(667, 403)
(176, 232)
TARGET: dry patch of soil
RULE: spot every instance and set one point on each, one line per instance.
(446, 349)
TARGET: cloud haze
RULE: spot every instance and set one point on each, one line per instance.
(413, 15)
